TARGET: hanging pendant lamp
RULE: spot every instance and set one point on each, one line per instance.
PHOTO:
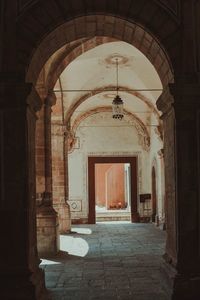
(117, 104)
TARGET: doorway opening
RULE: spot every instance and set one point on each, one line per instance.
(112, 192)
(112, 185)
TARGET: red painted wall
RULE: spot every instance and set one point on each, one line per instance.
(100, 183)
(112, 176)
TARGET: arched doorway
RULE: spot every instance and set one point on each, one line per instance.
(78, 105)
(168, 23)
(75, 105)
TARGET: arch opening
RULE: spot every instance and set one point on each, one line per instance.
(70, 114)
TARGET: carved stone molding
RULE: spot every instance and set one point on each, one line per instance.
(87, 95)
(130, 118)
(159, 132)
(181, 96)
(24, 4)
(15, 90)
(14, 93)
(50, 99)
(99, 25)
(34, 100)
(165, 101)
(186, 94)
(11, 77)
(71, 140)
(171, 5)
(161, 153)
(58, 129)
(143, 136)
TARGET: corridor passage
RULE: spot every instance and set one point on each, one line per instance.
(107, 261)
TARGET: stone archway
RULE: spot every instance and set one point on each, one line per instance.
(26, 24)
(136, 32)
(132, 33)
(115, 27)
(169, 77)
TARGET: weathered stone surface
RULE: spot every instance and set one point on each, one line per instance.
(22, 34)
(59, 177)
(47, 231)
(123, 262)
(17, 202)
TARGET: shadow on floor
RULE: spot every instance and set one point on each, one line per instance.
(122, 262)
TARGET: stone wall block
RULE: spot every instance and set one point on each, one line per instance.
(47, 231)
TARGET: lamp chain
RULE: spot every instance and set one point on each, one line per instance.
(117, 69)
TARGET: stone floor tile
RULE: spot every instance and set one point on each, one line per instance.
(122, 263)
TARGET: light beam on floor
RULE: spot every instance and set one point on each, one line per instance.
(82, 230)
(49, 262)
(74, 246)
(113, 222)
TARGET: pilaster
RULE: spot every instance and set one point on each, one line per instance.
(60, 180)
(162, 221)
(165, 104)
(20, 275)
(182, 169)
(47, 218)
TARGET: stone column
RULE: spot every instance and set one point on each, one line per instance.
(162, 222)
(39, 156)
(47, 219)
(182, 170)
(20, 275)
(60, 180)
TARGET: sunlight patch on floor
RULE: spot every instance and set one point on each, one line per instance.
(81, 230)
(74, 246)
(49, 262)
(114, 222)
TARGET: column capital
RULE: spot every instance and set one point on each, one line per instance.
(58, 129)
(47, 198)
(186, 96)
(11, 77)
(165, 101)
(185, 88)
(70, 140)
(161, 153)
(16, 93)
(182, 94)
(34, 100)
(50, 99)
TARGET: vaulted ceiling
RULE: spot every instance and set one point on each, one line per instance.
(88, 84)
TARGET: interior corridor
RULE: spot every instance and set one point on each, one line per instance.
(107, 261)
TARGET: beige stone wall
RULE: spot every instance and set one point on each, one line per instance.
(59, 173)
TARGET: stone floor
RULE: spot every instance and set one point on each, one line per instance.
(108, 262)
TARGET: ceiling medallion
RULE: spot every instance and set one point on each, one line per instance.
(111, 60)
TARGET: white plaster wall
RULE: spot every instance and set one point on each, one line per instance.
(100, 135)
(76, 176)
(157, 162)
